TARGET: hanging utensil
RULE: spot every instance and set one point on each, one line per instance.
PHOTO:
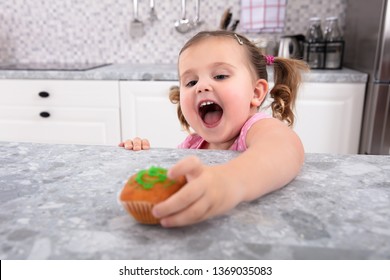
(197, 20)
(152, 13)
(137, 26)
(234, 25)
(183, 25)
(225, 19)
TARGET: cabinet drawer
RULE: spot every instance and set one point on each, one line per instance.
(60, 125)
(59, 93)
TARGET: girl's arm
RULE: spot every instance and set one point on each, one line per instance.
(274, 157)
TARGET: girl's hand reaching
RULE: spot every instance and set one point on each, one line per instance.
(207, 194)
(135, 144)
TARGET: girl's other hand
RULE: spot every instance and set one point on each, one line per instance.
(135, 144)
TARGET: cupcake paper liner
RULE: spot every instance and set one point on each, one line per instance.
(141, 211)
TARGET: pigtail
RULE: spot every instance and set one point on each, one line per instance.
(287, 77)
(174, 97)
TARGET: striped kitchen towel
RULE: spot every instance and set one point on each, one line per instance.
(263, 15)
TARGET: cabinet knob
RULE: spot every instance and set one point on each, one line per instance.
(44, 94)
(44, 114)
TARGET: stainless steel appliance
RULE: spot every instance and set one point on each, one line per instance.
(367, 48)
(289, 47)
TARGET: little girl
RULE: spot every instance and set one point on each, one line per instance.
(223, 82)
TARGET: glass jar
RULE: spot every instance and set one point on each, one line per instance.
(334, 47)
(314, 47)
(332, 31)
(314, 33)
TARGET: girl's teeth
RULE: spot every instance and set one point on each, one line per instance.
(206, 103)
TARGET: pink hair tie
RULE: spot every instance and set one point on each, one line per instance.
(269, 59)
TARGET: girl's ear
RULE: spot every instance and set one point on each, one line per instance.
(259, 92)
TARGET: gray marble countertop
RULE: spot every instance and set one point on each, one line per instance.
(60, 202)
(166, 72)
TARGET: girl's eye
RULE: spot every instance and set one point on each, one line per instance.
(191, 83)
(221, 77)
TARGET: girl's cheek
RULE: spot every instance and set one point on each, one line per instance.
(184, 103)
(189, 113)
(182, 99)
(185, 96)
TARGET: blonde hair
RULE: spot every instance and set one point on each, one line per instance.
(287, 76)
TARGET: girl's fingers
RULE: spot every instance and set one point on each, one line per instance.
(128, 145)
(195, 213)
(135, 144)
(181, 200)
(145, 144)
(190, 167)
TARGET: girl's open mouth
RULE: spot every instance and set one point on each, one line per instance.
(210, 112)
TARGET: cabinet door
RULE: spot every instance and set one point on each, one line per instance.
(328, 116)
(146, 112)
(60, 125)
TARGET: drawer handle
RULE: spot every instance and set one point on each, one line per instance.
(44, 114)
(44, 94)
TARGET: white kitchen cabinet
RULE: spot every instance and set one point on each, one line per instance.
(328, 116)
(146, 112)
(60, 111)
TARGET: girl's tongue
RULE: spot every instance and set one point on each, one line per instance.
(211, 114)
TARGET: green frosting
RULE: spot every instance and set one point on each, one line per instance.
(155, 175)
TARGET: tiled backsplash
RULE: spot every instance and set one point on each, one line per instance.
(70, 31)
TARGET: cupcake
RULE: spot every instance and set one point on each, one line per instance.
(145, 189)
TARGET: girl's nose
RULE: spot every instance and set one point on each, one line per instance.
(203, 86)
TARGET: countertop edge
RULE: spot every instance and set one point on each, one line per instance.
(166, 72)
